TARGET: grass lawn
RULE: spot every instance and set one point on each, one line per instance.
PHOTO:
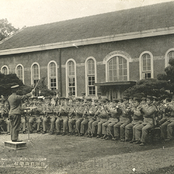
(70, 154)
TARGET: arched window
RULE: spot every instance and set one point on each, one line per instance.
(35, 73)
(71, 77)
(146, 65)
(5, 70)
(90, 69)
(117, 69)
(52, 75)
(169, 55)
(20, 72)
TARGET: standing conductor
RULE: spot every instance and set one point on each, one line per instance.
(15, 112)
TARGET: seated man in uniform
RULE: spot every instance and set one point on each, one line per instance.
(125, 119)
(25, 105)
(84, 123)
(79, 110)
(137, 118)
(48, 113)
(91, 116)
(149, 112)
(103, 117)
(170, 120)
(115, 113)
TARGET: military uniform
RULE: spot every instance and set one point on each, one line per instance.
(15, 112)
(6, 118)
(149, 112)
(58, 119)
(103, 118)
(64, 115)
(125, 119)
(95, 123)
(84, 123)
(25, 105)
(53, 115)
(91, 118)
(48, 114)
(2, 110)
(115, 113)
(170, 122)
(72, 120)
(34, 118)
(137, 118)
(164, 121)
(79, 111)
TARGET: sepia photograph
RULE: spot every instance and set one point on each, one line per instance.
(86, 86)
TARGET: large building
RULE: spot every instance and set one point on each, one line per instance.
(104, 53)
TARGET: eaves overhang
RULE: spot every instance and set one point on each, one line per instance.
(118, 83)
(90, 41)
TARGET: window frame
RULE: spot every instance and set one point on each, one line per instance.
(86, 76)
(167, 57)
(32, 79)
(141, 64)
(22, 71)
(67, 77)
(5, 66)
(109, 58)
(48, 74)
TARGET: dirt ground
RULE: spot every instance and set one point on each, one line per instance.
(56, 154)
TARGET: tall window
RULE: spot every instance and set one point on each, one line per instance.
(20, 72)
(90, 76)
(170, 55)
(71, 77)
(146, 62)
(52, 74)
(117, 69)
(5, 70)
(35, 73)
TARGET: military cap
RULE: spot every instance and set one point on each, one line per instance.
(107, 100)
(14, 86)
(116, 100)
(168, 99)
(89, 99)
(48, 97)
(103, 100)
(34, 97)
(121, 100)
(78, 99)
(41, 97)
(137, 99)
(130, 97)
(143, 98)
(62, 98)
(125, 98)
(149, 97)
(95, 100)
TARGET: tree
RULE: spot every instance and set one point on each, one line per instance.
(42, 89)
(9, 80)
(153, 87)
(6, 29)
(162, 86)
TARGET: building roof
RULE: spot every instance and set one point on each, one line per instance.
(113, 23)
(118, 83)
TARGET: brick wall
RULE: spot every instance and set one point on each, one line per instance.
(156, 45)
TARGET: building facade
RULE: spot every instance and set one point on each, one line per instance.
(100, 60)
